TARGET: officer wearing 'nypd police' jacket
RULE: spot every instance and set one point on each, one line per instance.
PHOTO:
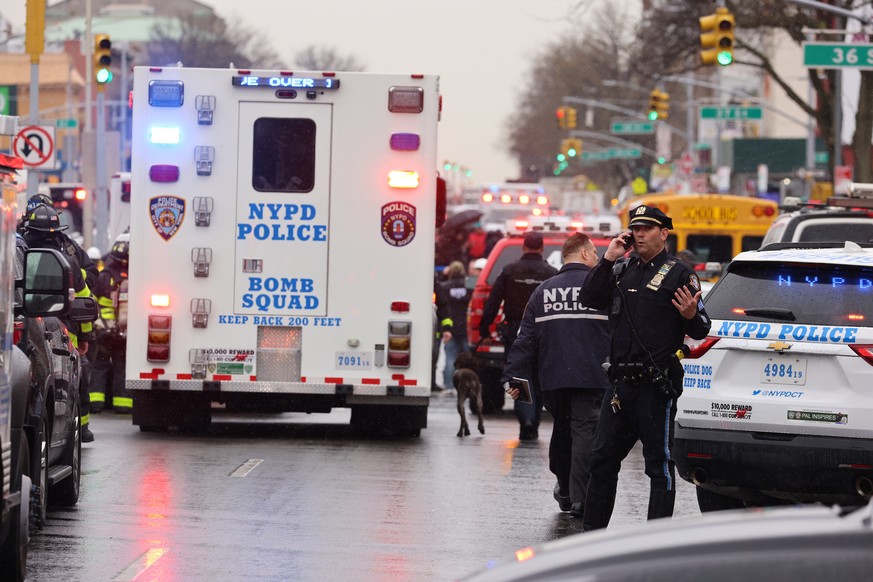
(653, 301)
(560, 348)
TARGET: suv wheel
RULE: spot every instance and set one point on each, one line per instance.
(66, 493)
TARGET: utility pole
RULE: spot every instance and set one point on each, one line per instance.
(35, 44)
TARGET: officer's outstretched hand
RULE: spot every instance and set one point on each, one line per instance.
(685, 302)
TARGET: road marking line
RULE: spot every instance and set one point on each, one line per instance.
(246, 467)
(141, 564)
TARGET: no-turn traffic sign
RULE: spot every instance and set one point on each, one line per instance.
(35, 144)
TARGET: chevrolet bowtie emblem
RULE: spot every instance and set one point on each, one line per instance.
(779, 346)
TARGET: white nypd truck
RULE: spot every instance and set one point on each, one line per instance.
(778, 400)
(281, 245)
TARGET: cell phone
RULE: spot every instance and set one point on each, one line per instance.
(629, 241)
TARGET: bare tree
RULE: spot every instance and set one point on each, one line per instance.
(668, 43)
(573, 65)
(209, 42)
(314, 58)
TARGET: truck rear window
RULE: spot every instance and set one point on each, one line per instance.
(283, 155)
(805, 294)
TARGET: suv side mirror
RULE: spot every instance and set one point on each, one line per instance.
(83, 309)
(47, 283)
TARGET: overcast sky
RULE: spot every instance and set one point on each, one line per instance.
(481, 49)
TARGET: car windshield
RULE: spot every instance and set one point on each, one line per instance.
(814, 294)
(503, 213)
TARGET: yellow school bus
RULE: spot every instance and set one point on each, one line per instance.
(715, 227)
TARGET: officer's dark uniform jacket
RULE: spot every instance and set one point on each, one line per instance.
(514, 286)
(646, 291)
(560, 339)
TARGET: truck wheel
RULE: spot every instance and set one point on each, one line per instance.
(188, 412)
(66, 493)
(711, 501)
(13, 553)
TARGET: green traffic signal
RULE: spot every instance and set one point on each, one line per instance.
(103, 75)
(725, 58)
(571, 152)
(560, 157)
(662, 160)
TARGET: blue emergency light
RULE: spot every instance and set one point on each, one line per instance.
(166, 93)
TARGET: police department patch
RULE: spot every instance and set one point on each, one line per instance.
(167, 214)
(695, 282)
(398, 223)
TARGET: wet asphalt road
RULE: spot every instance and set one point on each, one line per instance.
(301, 497)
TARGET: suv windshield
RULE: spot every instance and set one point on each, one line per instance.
(837, 231)
(813, 294)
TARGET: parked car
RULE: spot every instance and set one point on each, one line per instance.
(489, 352)
(790, 544)
(50, 418)
(777, 406)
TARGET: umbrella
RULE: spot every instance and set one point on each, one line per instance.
(460, 220)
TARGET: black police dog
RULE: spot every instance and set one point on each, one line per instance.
(467, 384)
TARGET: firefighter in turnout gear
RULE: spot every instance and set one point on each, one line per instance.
(41, 228)
(109, 358)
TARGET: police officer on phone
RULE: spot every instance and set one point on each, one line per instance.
(513, 288)
(653, 301)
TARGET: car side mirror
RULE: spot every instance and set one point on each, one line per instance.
(47, 283)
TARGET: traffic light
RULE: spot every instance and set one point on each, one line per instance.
(565, 147)
(102, 59)
(561, 115)
(570, 117)
(659, 105)
(574, 149)
(717, 37)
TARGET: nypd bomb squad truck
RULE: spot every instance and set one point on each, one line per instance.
(281, 245)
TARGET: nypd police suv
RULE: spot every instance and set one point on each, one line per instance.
(777, 405)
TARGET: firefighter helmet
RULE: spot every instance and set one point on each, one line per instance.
(43, 218)
(120, 250)
(36, 200)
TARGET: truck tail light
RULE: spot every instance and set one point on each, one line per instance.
(18, 332)
(158, 349)
(81, 194)
(399, 344)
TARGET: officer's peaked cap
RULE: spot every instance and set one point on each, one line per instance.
(649, 215)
